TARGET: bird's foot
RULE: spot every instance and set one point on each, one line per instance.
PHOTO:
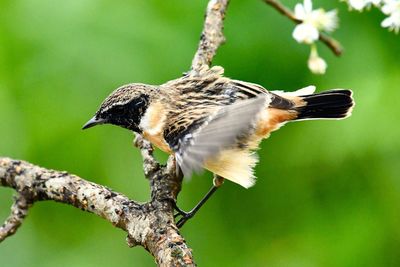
(184, 216)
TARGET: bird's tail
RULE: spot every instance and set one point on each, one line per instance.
(332, 104)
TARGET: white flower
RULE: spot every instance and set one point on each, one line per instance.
(359, 5)
(316, 64)
(325, 21)
(305, 33)
(375, 2)
(391, 8)
(392, 22)
(369, 3)
(313, 21)
(302, 11)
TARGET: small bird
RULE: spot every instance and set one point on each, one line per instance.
(210, 121)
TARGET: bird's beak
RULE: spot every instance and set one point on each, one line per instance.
(93, 122)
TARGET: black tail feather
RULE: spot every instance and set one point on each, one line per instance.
(332, 104)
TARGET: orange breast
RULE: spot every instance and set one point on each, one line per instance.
(158, 140)
(153, 124)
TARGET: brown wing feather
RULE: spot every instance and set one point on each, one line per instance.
(218, 132)
(252, 90)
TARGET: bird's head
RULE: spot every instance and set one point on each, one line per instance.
(124, 107)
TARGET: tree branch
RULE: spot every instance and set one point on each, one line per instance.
(150, 225)
(331, 43)
(19, 210)
(211, 37)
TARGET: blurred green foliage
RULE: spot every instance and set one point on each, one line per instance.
(327, 193)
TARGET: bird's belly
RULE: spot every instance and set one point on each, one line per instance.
(234, 164)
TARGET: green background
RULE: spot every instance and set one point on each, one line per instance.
(327, 194)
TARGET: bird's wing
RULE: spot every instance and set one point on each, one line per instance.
(216, 132)
(250, 90)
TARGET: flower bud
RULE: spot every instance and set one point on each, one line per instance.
(316, 64)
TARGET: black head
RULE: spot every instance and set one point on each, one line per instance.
(124, 107)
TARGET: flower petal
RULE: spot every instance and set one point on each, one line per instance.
(305, 33)
(308, 6)
(358, 4)
(299, 11)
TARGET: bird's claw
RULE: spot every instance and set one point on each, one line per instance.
(185, 216)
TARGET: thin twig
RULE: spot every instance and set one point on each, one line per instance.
(283, 10)
(150, 164)
(331, 43)
(211, 37)
(19, 210)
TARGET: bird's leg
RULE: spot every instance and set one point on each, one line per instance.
(217, 182)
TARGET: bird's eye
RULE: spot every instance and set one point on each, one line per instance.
(139, 102)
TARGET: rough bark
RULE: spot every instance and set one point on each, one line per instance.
(152, 224)
(211, 37)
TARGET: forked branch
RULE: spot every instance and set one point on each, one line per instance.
(150, 224)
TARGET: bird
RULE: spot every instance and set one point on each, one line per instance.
(209, 121)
